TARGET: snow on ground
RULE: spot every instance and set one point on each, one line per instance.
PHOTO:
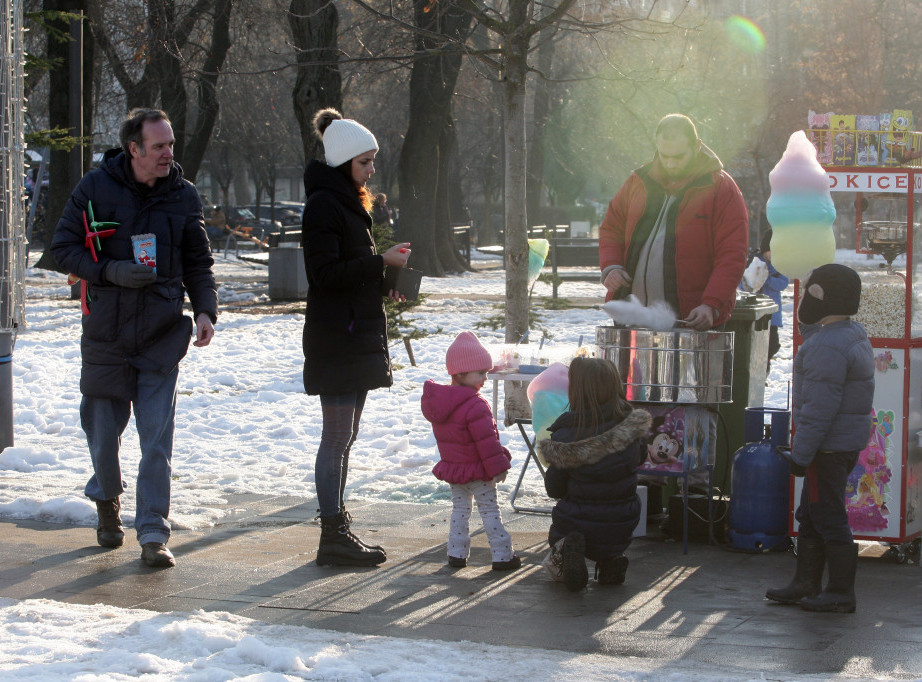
(49, 641)
(244, 425)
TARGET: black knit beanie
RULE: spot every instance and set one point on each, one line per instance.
(831, 289)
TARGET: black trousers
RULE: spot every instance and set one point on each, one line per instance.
(821, 513)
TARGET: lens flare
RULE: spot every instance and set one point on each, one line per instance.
(744, 34)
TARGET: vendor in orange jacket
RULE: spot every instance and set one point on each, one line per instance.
(677, 230)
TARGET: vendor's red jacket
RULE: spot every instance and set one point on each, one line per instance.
(707, 236)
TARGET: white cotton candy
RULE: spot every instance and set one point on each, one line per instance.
(632, 313)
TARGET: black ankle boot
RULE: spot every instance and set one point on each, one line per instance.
(339, 547)
(348, 518)
(808, 576)
(839, 595)
(109, 531)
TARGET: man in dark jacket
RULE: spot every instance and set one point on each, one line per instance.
(134, 330)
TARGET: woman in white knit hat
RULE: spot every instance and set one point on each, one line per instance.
(345, 338)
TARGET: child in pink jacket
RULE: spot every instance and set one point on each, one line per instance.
(473, 460)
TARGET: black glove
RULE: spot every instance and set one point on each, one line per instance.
(795, 468)
(126, 273)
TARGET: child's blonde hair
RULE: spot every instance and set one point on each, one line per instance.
(595, 383)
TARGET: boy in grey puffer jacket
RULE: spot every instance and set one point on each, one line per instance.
(833, 394)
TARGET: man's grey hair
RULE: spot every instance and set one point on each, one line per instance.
(130, 130)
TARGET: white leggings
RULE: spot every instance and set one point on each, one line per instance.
(459, 535)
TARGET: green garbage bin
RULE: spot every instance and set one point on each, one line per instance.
(750, 321)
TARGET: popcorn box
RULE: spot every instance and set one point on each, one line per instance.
(144, 247)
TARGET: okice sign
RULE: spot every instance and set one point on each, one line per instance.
(850, 181)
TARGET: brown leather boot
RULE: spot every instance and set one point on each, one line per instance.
(109, 531)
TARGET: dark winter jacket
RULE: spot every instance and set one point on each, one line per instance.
(595, 480)
(345, 337)
(707, 233)
(130, 329)
(833, 390)
(465, 432)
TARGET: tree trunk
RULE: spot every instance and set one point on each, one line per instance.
(516, 247)
(59, 184)
(426, 158)
(314, 24)
(197, 141)
(540, 118)
(167, 70)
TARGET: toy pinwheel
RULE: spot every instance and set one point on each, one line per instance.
(93, 231)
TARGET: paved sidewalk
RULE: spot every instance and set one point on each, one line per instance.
(706, 606)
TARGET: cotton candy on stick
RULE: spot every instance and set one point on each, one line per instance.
(537, 254)
(800, 210)
(548, 394)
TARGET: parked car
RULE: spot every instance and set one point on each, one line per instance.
(287, 213)
(242, 216)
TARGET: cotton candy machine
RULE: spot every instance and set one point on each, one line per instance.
(885, 237)
(679, 366)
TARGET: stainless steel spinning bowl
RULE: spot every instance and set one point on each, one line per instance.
(675, 366)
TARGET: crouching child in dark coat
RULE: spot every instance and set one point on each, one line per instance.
(592, 458)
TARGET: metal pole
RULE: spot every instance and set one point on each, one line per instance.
(12, 236)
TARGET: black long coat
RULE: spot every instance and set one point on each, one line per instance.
(595, 482)
(130, 329)
(345, 328)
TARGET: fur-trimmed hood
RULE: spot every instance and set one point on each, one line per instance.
(591, 450)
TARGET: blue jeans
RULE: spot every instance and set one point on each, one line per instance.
(104, 420)
(341, 415)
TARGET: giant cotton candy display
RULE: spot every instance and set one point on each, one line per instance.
(548, 395)
(800, 211)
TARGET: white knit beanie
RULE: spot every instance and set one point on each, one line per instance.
(344, 139)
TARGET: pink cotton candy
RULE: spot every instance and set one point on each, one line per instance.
(798, 170)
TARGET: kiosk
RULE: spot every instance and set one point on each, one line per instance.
(884, 493)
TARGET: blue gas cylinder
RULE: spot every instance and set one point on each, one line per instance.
(760, 483)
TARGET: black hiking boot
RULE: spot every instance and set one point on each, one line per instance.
(339, 547)
(109, 531)
(808, 576)
(573, 552)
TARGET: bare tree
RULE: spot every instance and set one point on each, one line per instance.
(427, 159)
(314, 26)
(179, 49)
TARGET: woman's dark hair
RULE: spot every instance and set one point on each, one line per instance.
(131, 128)
(595, 388)
(322, 120)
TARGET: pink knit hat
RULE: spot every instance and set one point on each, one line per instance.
(467, 354)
